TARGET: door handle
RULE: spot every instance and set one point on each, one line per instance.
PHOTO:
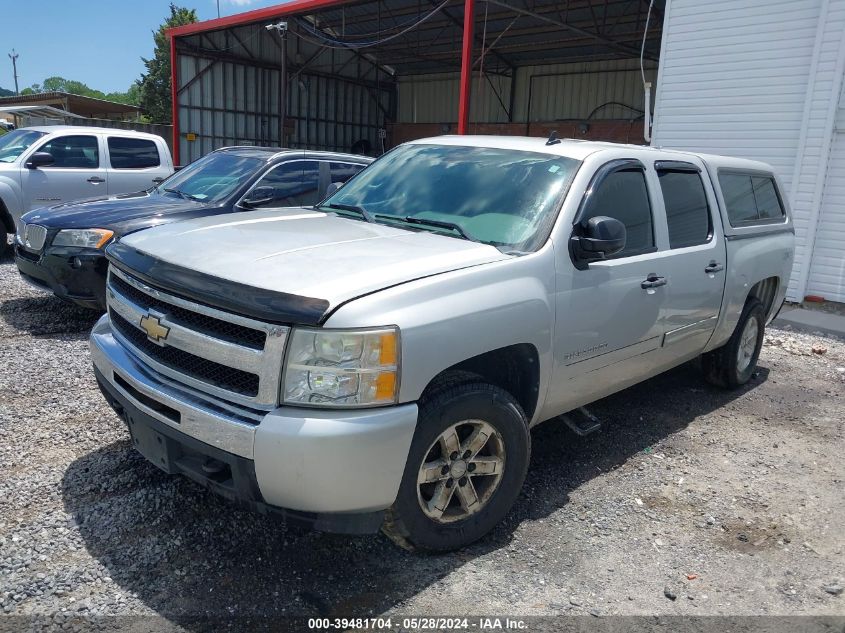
(653, 281)
(96, 180)
(158, 181)
(714, 267)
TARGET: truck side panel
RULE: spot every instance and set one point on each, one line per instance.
(449, 318)
(752, 259)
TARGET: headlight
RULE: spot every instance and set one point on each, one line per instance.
(342, 368)
(83, 238)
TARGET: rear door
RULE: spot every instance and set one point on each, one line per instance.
(695, 261)
(135, 164)
(78, 171)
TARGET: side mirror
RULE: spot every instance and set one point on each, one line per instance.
(597, 239)
(259, 196)
(40, 159)
(333, 188)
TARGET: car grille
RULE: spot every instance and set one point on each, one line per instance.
(226, 355)
(199, 368)
(34, 237)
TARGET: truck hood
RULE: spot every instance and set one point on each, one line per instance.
(299, 253)
(115, 213)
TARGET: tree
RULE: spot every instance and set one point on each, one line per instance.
(154, 92)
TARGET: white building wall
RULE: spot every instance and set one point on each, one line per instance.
(756, 79)
(827, 271)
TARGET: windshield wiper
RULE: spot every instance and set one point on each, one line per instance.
(184, 195)
(434, 223)
(350, 207)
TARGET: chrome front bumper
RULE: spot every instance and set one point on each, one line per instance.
(308, 460)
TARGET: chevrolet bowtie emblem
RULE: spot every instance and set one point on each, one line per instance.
(156, 332)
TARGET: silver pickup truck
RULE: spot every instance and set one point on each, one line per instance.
(378, 361)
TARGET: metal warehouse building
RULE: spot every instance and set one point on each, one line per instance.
(753, 78)
(362, 73)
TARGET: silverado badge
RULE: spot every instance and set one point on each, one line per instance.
(156, 332)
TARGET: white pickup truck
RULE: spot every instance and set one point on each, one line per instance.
(379, 360)
(48, 165)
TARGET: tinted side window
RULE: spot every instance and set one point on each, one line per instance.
(74, 152)
(768, 203)
(309, 191)
(296, 184)
(132, 153)
(687, 212)
(341, 172)
(750, 198)
(623, 195)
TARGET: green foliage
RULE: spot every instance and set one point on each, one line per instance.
(60, 84)
(6, 93)
(154, 92)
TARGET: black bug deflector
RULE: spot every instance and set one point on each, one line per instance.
(258, 303)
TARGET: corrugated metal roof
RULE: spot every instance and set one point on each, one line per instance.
(513, 32)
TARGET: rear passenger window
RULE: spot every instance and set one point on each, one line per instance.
(750, 199)
(341, 172)
(623, 195)
(687, 212)
(132, 153)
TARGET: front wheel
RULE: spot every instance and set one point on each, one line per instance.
(465, 469)
(733, 364)
(5, 244)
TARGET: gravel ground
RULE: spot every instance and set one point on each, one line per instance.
(691, 500)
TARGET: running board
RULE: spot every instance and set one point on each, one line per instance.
(581, 421)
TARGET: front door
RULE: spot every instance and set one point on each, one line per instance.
(77, 172)
(609, 323)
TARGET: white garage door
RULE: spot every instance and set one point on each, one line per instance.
(827, 273)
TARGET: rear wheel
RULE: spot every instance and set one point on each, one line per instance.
(465, 469)
(733, 364)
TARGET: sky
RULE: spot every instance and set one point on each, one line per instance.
(97, 42)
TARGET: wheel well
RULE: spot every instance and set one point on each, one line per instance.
(6, 218)
(765, 291)
(515, 368)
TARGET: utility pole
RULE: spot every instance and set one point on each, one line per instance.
(14, 57)
(218, 8)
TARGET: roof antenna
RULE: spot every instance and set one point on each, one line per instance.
(553, 139)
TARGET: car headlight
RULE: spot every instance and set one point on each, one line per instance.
(83, 238)
(342, 368)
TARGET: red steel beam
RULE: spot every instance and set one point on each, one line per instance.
(174, 96)
(276, 11)
(466, 67)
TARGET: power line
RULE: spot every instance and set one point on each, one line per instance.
(329, 42)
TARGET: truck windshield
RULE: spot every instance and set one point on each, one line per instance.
(503, 197)
(211, 178)
(16, 143)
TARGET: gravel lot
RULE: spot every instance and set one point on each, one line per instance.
(691, 500)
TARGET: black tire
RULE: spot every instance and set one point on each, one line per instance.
(5, 244)
(459, 398)
(722, 366)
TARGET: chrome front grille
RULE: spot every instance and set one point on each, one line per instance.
(226, 355)
(34, 237)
